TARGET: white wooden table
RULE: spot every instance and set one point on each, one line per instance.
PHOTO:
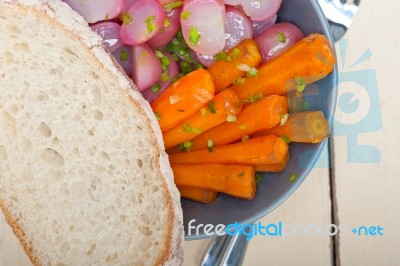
(359, 193)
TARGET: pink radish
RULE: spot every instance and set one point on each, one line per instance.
(260, 26)
(143, 21)
(278, 39)
(173, 71)
(259, 10)
(238, 27)
(109, 31)
(170, 28)
(146, 67)
(126, 4)
(202, 24)
(92, 11)
(124, 57)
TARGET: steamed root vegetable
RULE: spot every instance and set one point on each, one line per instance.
(169, 29)
(198, 194)
(263, 114)
(92, 11)
(257, 10)
(258, 151)
(278, 39)
(123, 55)
(261, 26)
(144, 61)
(234, 180)
(183, 98)
(309, 60)
(229, 67)
(223, 105)
(238, 27)
(126, 4)
(273, 168)
(203, 25)
(109, 31)
(143, 21)
(307, 127)
(170, 73)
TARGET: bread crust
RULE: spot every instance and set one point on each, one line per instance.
(61, 15)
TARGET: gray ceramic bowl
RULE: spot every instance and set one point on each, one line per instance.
(275, 188)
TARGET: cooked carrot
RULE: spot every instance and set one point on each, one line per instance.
(223, 105)
(183, 98)
(308, 127)
(225, 71)
(198, 194)
(234, 180)
(257, 151)
(307, 61)
(273, 168)
(263, 114)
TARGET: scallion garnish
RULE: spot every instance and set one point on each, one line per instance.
(168, 7)
(210, 145)
(211, 107)
(151, 26)
(155, 88)
(127, 18)
(194, 36)
(185, 15)
(300, 84)
(281, 37)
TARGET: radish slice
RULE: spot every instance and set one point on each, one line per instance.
(278, 39)
(173, 72)
(205, 60)
(126, 5)
(233, 2)
(170, 28)
(203, 25)
(238, 27)
(259, 10)
(109, 31)
(143, 21)
(92, 11)
(124, 57)
(261, 26)
(146, 67)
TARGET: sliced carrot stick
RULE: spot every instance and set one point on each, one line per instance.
(234, 180)
(258, 151)
(307, 61)
(183, 98)
(263, 114)
(226, 70)
(198, 194)
(308, 127)
(223, 105)
(273, 168)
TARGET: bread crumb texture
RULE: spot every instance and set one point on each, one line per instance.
(79, 170)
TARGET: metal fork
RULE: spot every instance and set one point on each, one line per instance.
(229, 250)
(340, 14)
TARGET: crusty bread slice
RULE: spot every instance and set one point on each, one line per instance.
(84, 179)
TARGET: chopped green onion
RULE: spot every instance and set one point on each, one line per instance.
(190, 129)
(185, 15)
(305, 106)
(292, 178)
(123, 56)
(255, 98)
(167, 23)
(286, 139)
(245, 138)
(252, 72)
(239, 81)
(194, 36)
(158, 116)
(259, 179)
(231, 118)
(211, 107)
(235, 53)
(300, 84)
(210, 145)
(168, 7)
(186, 146)
(242, 127)
(284, 118)
(164, 76)
(151, 26)
(203, 111)
(127, 18)
(281, 37)
(221, 56)
(155, 88)
(106, 17)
